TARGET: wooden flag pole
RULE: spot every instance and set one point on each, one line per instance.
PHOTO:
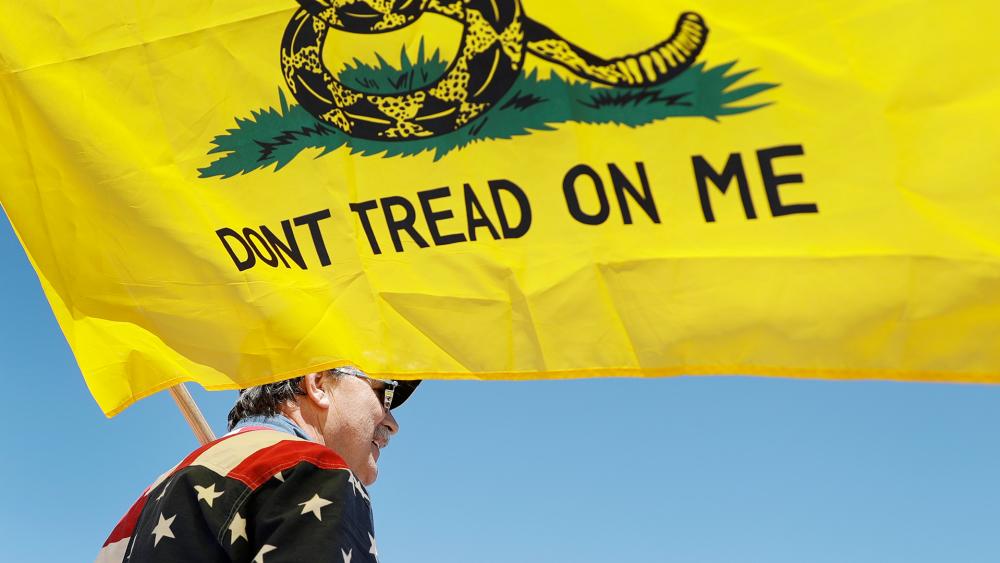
(192, 414)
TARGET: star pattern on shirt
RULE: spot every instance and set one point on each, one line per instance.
(208, 494)
(203, 529)
(238, 529)
(313, 505)
(162, 529)
(266, 548)
(374, 548)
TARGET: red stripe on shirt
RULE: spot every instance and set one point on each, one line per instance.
(263, 464)
(126, 526)
(195, 454)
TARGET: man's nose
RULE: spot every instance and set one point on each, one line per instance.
(390, 422)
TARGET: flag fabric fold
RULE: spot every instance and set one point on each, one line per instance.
(237, 192)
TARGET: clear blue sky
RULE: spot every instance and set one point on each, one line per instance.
(725, 469)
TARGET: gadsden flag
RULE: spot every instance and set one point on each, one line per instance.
(237, 192)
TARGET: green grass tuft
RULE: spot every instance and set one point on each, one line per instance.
(276, 135)
(387, 79)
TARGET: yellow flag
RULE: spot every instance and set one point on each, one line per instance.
(235, 192)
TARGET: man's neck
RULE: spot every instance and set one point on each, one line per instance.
(296, 416)
(280, 422)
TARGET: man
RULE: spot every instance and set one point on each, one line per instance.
(287, 484)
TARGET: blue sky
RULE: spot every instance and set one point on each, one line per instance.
(724, 469)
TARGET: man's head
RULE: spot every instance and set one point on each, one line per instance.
(342, 409)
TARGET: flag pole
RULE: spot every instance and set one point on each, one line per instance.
(192, 414)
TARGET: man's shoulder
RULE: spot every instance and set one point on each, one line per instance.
(215, 481)
(254, 455)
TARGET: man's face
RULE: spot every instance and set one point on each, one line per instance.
(357, 426)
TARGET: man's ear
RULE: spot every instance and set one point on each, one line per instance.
(315, 393)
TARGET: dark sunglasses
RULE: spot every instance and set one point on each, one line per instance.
(384, 389)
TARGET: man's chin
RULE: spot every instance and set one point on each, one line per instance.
(368, 474)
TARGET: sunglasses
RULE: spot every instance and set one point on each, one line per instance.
(384, 389)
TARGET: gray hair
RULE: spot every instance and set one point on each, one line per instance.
(267, 399)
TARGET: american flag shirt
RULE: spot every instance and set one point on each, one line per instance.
(256, 495)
